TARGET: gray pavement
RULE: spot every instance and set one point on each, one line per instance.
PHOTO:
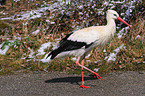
(62, 84)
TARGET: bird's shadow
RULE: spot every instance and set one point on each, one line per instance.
(75, 79)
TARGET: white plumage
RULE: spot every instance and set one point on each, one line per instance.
(81, 42)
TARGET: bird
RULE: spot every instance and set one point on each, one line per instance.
(80, 43)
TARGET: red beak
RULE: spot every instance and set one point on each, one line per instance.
(120, 19)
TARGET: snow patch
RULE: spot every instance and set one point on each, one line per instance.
(121, 32)
(31, 53)
(112, 56)
(43, 46)
(138, 36)
(88, 61)
(97, 61)
(74, 59)
(96, 69)
(36, 32)
(3, 51)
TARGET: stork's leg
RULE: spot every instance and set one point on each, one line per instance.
(98, 76)
(82, 86)
(82, 72)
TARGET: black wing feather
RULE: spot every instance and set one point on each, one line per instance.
(68, 45)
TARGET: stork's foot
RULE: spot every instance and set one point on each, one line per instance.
(83, 86)
(98, 76)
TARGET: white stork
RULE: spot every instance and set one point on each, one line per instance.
(81, 42)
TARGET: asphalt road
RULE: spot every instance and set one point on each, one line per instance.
(62, 84)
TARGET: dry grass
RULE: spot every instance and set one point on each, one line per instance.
(130, 58)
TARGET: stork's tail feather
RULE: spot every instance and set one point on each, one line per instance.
(49, 55)
(47, 58)
(54, 53)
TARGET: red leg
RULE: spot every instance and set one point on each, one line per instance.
(82, 86)
(98, 76)
(82, 72)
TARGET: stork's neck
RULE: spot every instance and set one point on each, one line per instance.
(111, 23)
(111, 26)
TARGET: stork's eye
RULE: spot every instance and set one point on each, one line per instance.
(115, 15)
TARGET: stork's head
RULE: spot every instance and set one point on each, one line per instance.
(114, 15)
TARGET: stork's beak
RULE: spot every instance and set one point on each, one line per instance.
(120, 19)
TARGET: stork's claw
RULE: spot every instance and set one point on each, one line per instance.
(83, 86)
(98, 76)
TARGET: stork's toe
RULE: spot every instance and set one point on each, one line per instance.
(83, 86)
